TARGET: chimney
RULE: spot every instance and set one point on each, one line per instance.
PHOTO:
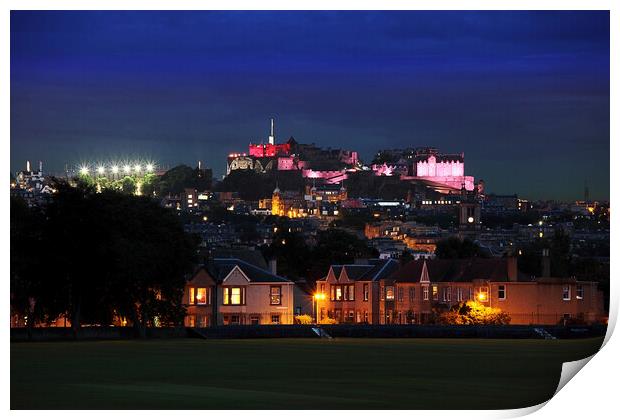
(546, 263)
(273, 266)
(511, 265)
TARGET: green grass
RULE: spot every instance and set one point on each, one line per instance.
(290, 373)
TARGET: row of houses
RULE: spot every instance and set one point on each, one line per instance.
(230, 290)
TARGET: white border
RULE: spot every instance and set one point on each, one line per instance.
(591, 394)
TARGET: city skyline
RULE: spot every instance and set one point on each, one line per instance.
(514, 91)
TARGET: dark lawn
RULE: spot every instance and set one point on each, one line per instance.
(290, 373)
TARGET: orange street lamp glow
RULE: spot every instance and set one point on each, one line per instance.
(482, 297)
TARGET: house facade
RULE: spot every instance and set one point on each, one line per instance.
(351, 291)
(230, 291)
(421, 289)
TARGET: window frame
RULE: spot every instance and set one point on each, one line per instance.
(579, 291)
(501, 292)
(425, 293)
(366, 292)
(566, 295)
(272, 295)
(389, 288)
(227, 295)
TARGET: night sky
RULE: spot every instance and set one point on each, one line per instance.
(524, 94)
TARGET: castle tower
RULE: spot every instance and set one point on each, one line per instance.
(272, 134)
(277, 208)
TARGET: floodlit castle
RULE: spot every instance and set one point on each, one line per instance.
(314, 162)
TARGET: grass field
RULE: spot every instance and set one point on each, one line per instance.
(290, 373)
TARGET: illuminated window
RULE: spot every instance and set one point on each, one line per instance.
(351, 292)
(275, 319)
(566, 292)
(366, 292)
(234, 296)
(389, 293)
(201, 296)
(435, 293)
(425, 293)
(275, 295)
(483, 294)
(192, 296)
(338, 293)
(501, 292)
(579, 293)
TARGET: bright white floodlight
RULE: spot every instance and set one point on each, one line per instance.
(149, 167)
(137, 168)
(114, 169)
(100, 170)
(127, 168)
(84, 170)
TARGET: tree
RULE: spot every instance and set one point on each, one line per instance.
(454, 247)
(473, 313)
(106, 255)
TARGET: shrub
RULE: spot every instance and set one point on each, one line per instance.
(473, 313)
(328, 321)
(303, 319)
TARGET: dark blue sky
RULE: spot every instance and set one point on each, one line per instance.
(524, 94)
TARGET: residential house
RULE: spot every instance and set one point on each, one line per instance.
(351, 291)
(422, 288)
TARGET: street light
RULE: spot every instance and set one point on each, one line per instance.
(114, 169)
(149, 167)
(84, 170)
(316, 297)
(100, 170)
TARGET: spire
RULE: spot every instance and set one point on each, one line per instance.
(272, 134)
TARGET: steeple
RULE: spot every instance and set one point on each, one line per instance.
(272, 134)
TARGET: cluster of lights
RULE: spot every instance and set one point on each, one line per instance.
(116, 168)
(232, 155)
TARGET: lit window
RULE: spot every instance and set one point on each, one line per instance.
(566, 292)
(192, 296)
(234, 296)
(389, 293)
(579, 293)
(501, 292)
(275, 319)
(366, 286)
(338, 293)
(201, 296)
(351, 292)
(435, 293)
(483, 294)
(275, 295)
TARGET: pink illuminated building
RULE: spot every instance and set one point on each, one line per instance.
(293, 156)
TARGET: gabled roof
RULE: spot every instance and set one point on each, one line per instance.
(375, 269)
(457, 270)
(250, 256)
(221, 267)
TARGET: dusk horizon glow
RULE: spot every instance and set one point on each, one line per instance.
(524, 95)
